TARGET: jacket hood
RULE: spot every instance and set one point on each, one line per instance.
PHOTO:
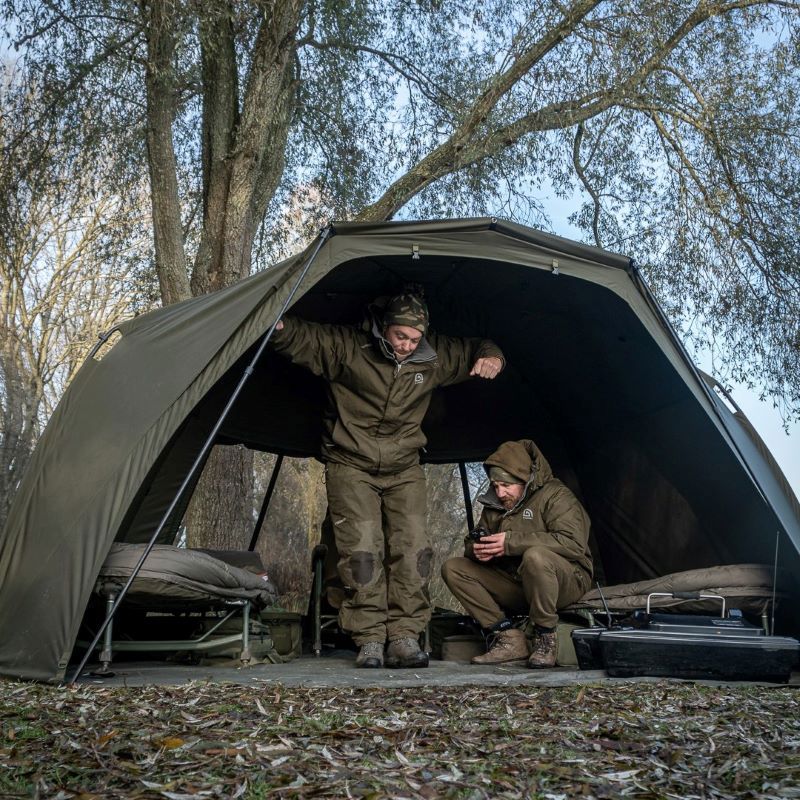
(524, 460)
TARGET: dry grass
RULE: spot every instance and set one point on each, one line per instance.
(664, 740)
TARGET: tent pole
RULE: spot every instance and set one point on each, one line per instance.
(265, 504)
(323, 237)
(467, 499)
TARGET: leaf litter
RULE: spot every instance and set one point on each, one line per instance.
(206, 740)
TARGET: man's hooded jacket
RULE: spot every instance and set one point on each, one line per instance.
(547, 515)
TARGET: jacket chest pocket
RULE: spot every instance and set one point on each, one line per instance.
(412, 385)
(524, 521)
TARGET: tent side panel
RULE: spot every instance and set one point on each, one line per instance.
(107, 432)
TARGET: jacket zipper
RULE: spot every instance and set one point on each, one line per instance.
(397, 368)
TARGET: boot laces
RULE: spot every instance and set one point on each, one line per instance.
(498, 640)
(543, 643)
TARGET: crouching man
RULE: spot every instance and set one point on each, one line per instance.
(528, 555)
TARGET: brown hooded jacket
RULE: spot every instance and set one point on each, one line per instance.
(547, 515)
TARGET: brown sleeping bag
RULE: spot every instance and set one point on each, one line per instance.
(173, 576)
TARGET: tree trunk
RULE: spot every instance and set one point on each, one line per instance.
(220, 120)
(19, 427)
(292, 526)
(243, 158)
(160, 80)
(243, 151)
(221, 514)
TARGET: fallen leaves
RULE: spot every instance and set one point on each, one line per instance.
(653, 740)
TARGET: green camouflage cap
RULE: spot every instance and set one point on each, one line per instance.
(407, 309)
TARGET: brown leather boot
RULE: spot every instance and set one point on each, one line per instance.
(509, 646)
(545, 651)
(370, 656)
(405, 652)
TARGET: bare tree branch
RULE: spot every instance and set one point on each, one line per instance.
(400, 64)
(576, 162)
(466, 145)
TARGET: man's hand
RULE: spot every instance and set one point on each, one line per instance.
(487, 367)
(489, 547)
(279, 325)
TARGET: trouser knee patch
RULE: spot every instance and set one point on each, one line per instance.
(424, 561)
(362, 567)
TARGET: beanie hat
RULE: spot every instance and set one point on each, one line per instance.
(501, 476)
(407, 308)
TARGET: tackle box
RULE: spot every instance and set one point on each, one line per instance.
(687, 646)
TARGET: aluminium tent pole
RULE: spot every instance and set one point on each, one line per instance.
(273, 479)
(467, 498)
(323, 237)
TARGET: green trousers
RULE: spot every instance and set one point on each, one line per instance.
(543, 583)
(379, 525)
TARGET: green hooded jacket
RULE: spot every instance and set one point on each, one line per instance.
(375, 403)
(547, 515)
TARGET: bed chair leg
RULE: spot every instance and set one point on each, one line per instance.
(317, 609)
(317, 561)
(106, 654)
(246, 656)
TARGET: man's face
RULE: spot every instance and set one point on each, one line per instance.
(508, 493)
(403, 338)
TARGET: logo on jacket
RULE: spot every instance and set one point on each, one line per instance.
(418, 378)
(527, 514)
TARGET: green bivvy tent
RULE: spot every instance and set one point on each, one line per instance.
(672, 477)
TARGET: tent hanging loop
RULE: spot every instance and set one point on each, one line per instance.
(103, 339)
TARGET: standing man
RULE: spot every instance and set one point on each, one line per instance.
(533, 557)
(379, 387)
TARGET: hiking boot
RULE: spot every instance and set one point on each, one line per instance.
(545, 650)
(405, 652)
(370, 656)
(508, 647)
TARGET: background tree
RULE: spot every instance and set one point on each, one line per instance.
(447, 519)
(69, 260)
(672, 123)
